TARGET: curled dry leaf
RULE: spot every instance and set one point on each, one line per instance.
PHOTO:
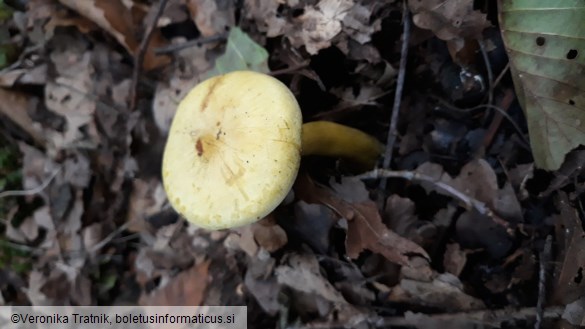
(319, 26)
(14, 106)
(212, 17)
(365, 227)
(455, 259)
(312, 223)
(269, 235)
(117, 19)
(366, 231)
(568, 283)
(477, 180)
(186, 289)
(302, 273)
(262, 285)
(452, 21)
(445, 292)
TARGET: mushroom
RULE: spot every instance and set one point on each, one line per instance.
(234, 149)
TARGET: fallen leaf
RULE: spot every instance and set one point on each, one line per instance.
(116, 18)
(454, 259)
(453, 21)
(444, 293)
(357, 24)
(365, 228)
(14, 106)
(570, 237)
(547, 71)
(269, 235)
(302, 273)
(241, 53)
(399, 213)
(212, 17)
(574, 312)
(320, 24)
(366, 231)
(186, 289)
(262, 285)
(477, 180)
(68, 94)
(147, 199)
(312, 223)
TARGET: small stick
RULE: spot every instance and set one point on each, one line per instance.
(290, 69)
(480, 318)
(490, 73)
(392, 132)
(501, 75)
(139, 58)
(497, 121)
(545, 256)
(190, 43)
(32, 191)
(469, 202)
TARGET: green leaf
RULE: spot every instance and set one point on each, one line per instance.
(241, 53)
(545, 40)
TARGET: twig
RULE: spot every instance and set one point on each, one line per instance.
(392, 132)
(545, 257)
(190, 43)
(32, 191)
(497, 121)
(488, 318)
(139, 58)
(482, 106)
(109, 238)
(490, 73)
(501, 75)
(290, 69)
(469, 202)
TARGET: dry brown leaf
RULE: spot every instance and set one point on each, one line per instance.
(365, 227)
(312, 223)
(357, 25)
(574, 313)
(477, 180)
(147, 199)
(366, 231)
(14, 105)
(186, 289)
(193, 64)
(24, 76)
(265, 12)
(262, 284)
(302, 273)
(212, 17)
(69, 94)
(570, 237)
(319, 26)
(400, 215)
(453, 21)
(445, 292)
(116, 18)
(269, 235)
(36, 282)
(455, 259)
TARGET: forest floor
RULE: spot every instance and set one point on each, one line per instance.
(86, 106)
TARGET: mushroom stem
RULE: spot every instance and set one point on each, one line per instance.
(332, 139)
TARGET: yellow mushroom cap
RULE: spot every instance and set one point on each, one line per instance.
(233, 150)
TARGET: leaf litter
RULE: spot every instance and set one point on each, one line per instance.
(91, 216)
